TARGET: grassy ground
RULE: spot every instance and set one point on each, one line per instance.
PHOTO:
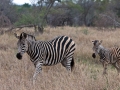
(87, 75)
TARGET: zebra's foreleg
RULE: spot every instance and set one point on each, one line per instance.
(38, 69)
(105, 67)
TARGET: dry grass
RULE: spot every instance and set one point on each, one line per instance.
(87, 75)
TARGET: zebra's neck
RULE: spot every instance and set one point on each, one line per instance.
(33, 48)
(30, 47)
(103, 52)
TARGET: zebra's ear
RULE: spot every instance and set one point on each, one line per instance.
(23, 36)
(100, 41)
(18, 37)
(93, 41)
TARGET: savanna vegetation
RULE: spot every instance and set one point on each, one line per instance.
(87, 74)
(95, 13)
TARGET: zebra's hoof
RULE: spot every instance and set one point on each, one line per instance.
(93, 55)
(19, 56)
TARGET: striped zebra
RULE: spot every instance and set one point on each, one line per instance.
(107, 56)
(47, 53)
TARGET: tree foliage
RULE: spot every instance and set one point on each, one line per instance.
(62, 12)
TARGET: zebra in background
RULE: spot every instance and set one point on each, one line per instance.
(107, 56)
(47, 53)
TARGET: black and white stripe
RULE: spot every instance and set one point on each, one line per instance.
(107, 56)
(58, 50)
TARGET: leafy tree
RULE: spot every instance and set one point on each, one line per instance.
(43, 7)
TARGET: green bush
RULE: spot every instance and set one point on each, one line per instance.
(26, 19)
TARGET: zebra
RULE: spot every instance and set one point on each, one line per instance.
(47, 53)
(107, 56)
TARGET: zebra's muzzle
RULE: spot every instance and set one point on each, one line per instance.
(19, 56)
(93, 55)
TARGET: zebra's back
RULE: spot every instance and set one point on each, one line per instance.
(114, 54)
(57, 49)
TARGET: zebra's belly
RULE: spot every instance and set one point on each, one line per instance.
(51, 62)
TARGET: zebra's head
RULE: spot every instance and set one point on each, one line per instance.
(22, 43)
(96, 47)
(28, 36)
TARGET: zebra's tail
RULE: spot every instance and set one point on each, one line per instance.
(72, 64)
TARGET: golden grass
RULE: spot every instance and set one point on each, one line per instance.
(87, 75)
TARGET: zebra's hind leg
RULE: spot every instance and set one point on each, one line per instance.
(72, 64)
(69, 63)
(38, 69)
(64, 62)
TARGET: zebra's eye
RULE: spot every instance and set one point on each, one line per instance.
(22, 44)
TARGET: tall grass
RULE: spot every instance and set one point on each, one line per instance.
(87, 75)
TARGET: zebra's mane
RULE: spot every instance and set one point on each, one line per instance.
(101, 47)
